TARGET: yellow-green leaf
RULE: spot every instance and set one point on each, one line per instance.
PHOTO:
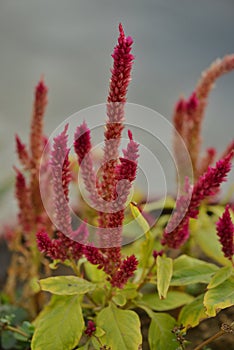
(164, 274)
(160, 332)
(206, 237)
(220, 276)
(119, 299)
(66, 285)
(173, 300)
(60, 324)
(147, 246)
(93, 273)
(220, 297)
(139, 218)
(192, 314)
(189, 270)
(122, 328)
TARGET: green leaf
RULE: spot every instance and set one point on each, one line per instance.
(192, 314)
(85, 347)
(8, 340)
(189, 270)
(174, 299)
(119, 299)
(160, 332)
(66, 285)
(206, 237)
(93, 273)
(220, 276)
(164, 274)
(129, 291)
(99, 332)
(147, 246)
(220, 297)
(139, 218)
(60, 325)
(122, 328)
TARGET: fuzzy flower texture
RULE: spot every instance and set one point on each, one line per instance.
(108, 191)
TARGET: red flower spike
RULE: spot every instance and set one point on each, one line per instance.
(90, 329)
(82, 147)
(207, 160)
(230, 148)
(22, 153)
(207, 185)
(126, 271)
(36, 139)
(225, 231)
(192, 104)
(121, 76)
(23, 195)
(61, 176)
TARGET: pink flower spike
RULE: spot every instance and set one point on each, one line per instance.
(177, 230)
(126, 271)
(121, 76)
(225, 231)
(36, 139)
(94, 256)
(60, 178)
(230, 148)
(207, 160)
(209, 183)
(192, 104)
(82, 146)
(82, 141)
(131, 153)
(22, 153)
(43, 242)
(23, 195)
(90, 329)
(180, 131)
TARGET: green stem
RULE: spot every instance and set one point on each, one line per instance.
(144, 278)
(16, 330)
(74, 267)
(91, 299)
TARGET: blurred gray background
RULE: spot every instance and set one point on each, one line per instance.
(70, 42)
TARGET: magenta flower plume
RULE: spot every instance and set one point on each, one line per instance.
(90, 329)
(61, 176)
(189, 115)
(225, 231)
(126, 271)
(82, 147)
(207, 185)
(179, 115)
(23, 195)
(208, 78)
(82, 141)
(95, 256)
(207, 160)
(121, 76)
(40, 102)
(22, 153)
(121, 68)
(125, 174)
(177, 229)
(61, 247)
(229, 149)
